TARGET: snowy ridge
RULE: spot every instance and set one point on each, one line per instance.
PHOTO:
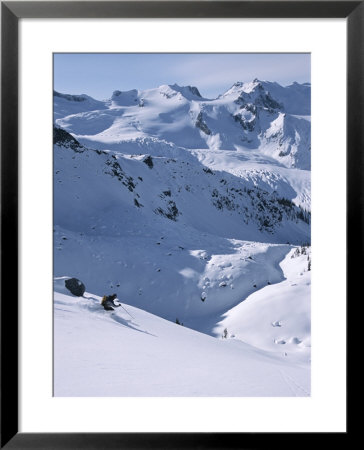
(65, 104)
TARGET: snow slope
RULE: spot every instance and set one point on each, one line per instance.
(277, 318)
(98, 353)
(167, 234)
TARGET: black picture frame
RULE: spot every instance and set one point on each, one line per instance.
(11, 12)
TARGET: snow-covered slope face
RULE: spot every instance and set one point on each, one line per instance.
(132, 353)
(65, 104)
(258, 116)
(293, 99)
(166, 232)
(277, 317)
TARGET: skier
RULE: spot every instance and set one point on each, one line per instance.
(108, 302)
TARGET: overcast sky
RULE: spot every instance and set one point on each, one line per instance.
(98, 75)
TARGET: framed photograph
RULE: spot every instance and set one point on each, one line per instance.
(158, 165)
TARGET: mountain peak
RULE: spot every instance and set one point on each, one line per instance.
(186, 91)
(118, 93)
(71, 98)
(125, 98)
(240, 87)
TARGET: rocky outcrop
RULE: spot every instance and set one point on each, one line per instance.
(75, 286)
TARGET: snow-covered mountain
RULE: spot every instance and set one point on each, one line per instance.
(259, 117)
(186, 207)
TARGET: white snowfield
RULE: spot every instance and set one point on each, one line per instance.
(129, 352)
(279, 315)
(189, 209)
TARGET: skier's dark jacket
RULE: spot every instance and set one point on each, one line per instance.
(108, 302)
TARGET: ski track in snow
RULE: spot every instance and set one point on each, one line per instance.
(290, 381)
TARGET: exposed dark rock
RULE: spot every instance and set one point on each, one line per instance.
(71, 98)
(148, 161)
(268, 210)
(171, 213)
(248, 125)
(117, 171)
(64, 139)
(194, 90)
(75, 286)
(201, 124)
